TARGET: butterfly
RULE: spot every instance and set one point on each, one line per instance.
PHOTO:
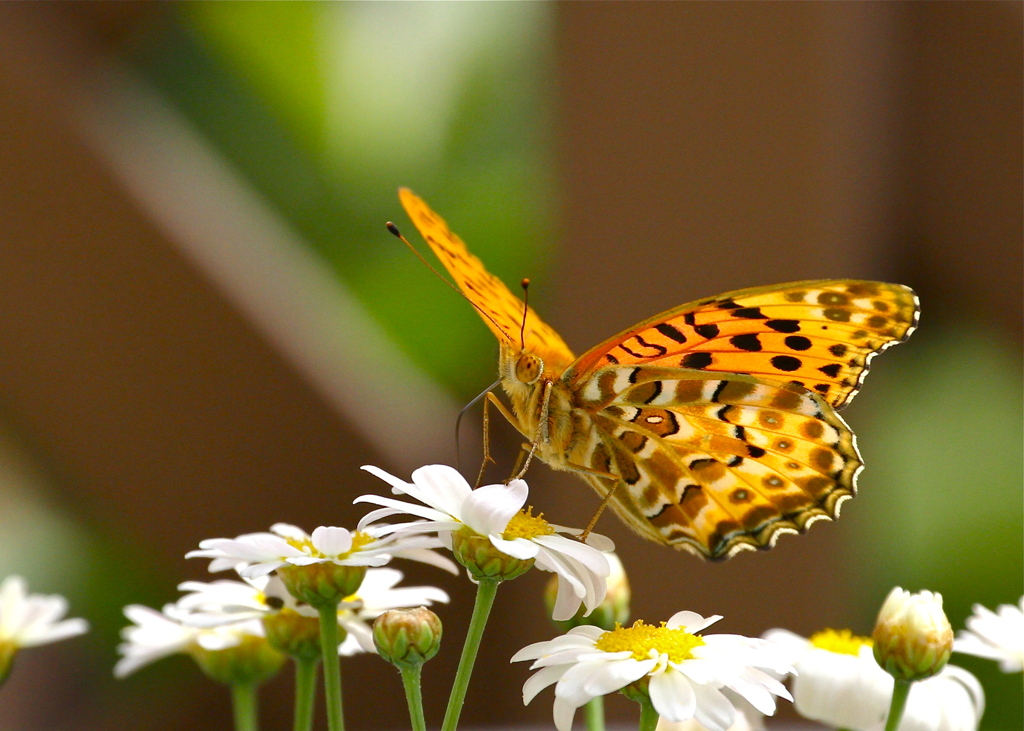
(711, 427)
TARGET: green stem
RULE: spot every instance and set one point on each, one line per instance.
(243, 703)
(332, 667)
(900, 692)
(485, 592)
(305, 692)
(411, 681)
(648, 716)
(595, 714)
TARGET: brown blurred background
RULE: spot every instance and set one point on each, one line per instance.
(201, 318)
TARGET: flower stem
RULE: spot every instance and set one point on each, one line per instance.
(332, 667)
(411, 681)
(305, 692)
(648, 716)
(900, 692)
(595, 714)
(243, 703)
(485, 592)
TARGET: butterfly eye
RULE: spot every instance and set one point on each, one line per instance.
(528, 368)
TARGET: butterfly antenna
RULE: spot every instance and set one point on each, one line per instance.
(398, 234)
(458, 419)
(525, 284)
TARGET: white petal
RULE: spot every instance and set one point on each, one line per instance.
(332, 541)
(563, 713)
(442, 487)
(713, 709)
(488, 509)
(672, 696)
(399, 506)
(691, 621)
(541, 680)
(287, 530)
(519, 548)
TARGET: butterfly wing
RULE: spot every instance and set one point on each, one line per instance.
(819, 334)
(501, 310)
(711, 463)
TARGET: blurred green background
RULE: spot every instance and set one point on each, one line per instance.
(625, 159)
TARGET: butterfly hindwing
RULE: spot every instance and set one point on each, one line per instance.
(819, 334)
(716, 463)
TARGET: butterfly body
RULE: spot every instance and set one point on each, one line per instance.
(711, 427)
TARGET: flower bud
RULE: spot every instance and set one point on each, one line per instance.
(407, 637)
(912, 637)
(612, 611)
(251, 662)
(294, 634)
(319, 584)
(483, 560)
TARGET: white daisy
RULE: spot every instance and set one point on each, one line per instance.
(684, 672)
(997, 635)
(258, 554)
(839, 683)
(155, 635)
(225, 602)
(27, 620)
(496, 512)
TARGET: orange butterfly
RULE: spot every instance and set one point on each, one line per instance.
(711, 427)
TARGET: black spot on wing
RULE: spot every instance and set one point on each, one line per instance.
(797, 342)
(697, 361)
(749, 313)
(748, 342)
(670, 332)
(755, 452)
(784, 326)
(658, 349)
(832, 369)
(707, 331)
(786, 363)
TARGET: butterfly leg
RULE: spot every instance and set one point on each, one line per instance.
(543, 436)
(604, 501)
(487, 444)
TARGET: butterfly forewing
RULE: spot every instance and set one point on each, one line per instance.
(819, 334)
(501, 310)
(716, 464)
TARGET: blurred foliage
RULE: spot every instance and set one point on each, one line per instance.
(941, 505)
(327, 108)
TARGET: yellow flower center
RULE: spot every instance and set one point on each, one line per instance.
(641, 638)
(840, 641)
(525, 524)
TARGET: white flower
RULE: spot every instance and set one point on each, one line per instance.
(997, 635)
(685, 673)
(496, 511)
(155, 635)
(27, 620)
(839, 683)
(226, 602)
(258, 554)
